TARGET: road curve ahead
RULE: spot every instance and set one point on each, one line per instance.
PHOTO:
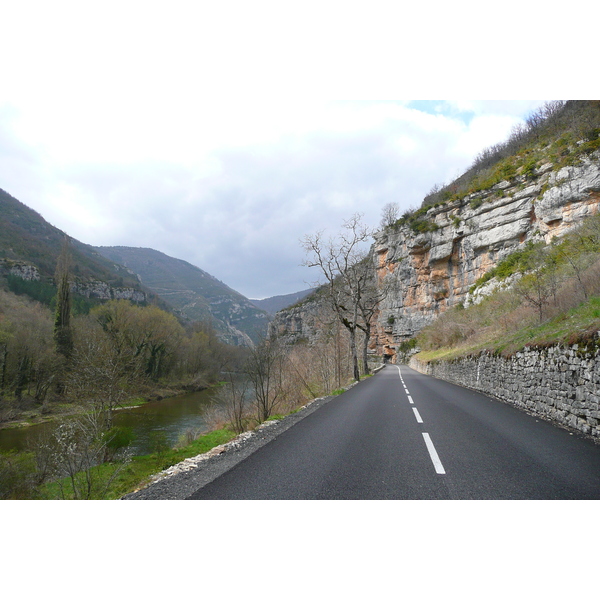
(404, 435)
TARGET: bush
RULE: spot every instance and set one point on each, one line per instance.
(18, 476)
(117, 438)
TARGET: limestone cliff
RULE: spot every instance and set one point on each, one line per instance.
(429, 272)
(429, 262)
(303, 322)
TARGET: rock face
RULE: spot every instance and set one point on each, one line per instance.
(103, 291)
(427, 273)
(20, 269)
(428, 269)
(301, 323)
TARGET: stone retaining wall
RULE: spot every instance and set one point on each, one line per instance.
(557, 383)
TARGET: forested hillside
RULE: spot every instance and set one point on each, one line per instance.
(195, 293)
(26, 237)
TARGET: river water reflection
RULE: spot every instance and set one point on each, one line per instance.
(166, 419)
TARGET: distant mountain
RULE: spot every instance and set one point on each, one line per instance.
(194, 292)
(30, 247)
(277, 303)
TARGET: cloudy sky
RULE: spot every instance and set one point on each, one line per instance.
(223, 135)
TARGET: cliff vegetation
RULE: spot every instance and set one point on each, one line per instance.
(544, 295)
(471, 235)
(445, 269)
(560, 133)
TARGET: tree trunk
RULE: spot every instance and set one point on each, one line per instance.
(365, 356)
(354, 353)
(3, 377)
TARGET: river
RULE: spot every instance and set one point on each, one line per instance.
(169, 419)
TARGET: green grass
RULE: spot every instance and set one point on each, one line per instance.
(276, 417)
(579, 325)
(139, 470)
(513, 263)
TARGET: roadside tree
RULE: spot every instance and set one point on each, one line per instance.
(339, 260)
(264, 368)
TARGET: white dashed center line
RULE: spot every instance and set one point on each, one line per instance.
(435, 459)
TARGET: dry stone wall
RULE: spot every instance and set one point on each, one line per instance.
(560, 384)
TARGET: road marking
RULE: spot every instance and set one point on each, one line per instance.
(410, 400)
(417, 415)
(437, 463)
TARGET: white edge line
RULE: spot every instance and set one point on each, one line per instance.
(437, 463)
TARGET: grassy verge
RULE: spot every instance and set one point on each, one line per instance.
(137, 472)
(113, 480)
(576, 326)
(579, 325)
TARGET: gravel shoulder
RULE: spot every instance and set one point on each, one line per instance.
(180, 481)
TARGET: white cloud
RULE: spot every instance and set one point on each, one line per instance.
(209, 131)
(237, 206)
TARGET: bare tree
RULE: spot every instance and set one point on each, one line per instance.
(76, 446)
(580, 250)
(389, 214)
(232, 398)
(369, 295)
(264, 369)
(338, 259)
(538, 287)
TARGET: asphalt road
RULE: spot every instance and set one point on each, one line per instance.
(404, 435)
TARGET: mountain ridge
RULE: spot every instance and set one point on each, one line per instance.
(195, 293)
(30, 247)
(274, 304)
(29, 251)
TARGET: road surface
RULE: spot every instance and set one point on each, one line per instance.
(404, 435)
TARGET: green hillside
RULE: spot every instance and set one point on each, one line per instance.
(560, 132)
(194, 292)
(25, 236)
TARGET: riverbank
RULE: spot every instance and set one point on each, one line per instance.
(204, 452)
(179, 481)
(27, 412)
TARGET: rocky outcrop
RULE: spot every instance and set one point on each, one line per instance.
(19, 269)
(88, 289)
(430, 264)
(427, 273)
(299, 324)
(104, 291)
